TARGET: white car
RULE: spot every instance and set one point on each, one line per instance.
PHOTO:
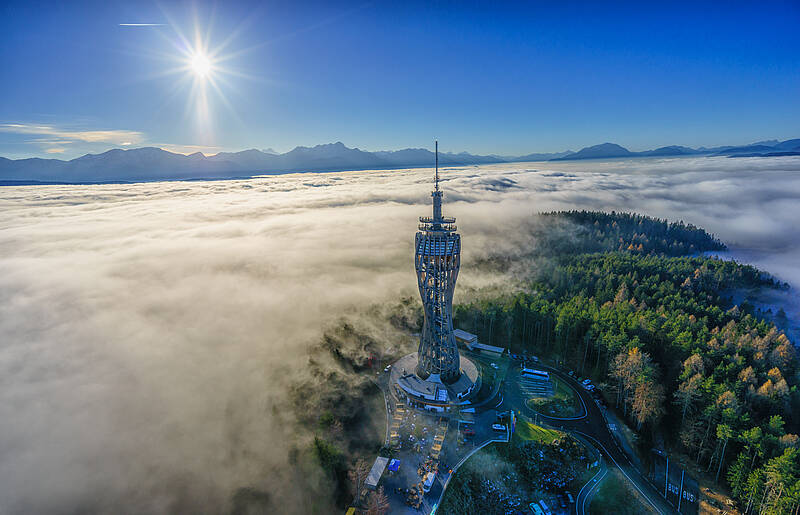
(494, 366)
(498, 427)
(586, 382)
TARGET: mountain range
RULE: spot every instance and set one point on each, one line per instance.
(151, 163)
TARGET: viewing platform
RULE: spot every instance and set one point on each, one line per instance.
(432, 394)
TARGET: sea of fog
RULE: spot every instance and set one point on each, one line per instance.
(148, 331)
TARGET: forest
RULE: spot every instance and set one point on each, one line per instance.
(628, 300)
(650, 318)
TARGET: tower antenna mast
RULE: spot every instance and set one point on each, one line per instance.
(436, 177)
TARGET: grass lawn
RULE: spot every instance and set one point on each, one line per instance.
(563, 403)
(527, 430)
(616, 495)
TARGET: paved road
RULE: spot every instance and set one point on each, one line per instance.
(584, 498)
(593, 427)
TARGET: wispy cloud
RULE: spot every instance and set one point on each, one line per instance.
(114, 136)
(56, 150)
(142, 24)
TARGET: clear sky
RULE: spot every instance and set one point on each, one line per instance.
(482, 77)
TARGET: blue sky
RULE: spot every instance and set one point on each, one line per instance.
(486, 78)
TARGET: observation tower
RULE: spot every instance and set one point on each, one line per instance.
(437, 260)
(435, 378)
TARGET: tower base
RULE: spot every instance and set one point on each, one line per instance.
(431, 392)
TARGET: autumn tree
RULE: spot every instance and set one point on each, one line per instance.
(378, 503)
(648, 399)
(357, 476)
(688, 393)
(627, 368)
(693, 365)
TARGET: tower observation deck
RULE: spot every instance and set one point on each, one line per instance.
(437, 261)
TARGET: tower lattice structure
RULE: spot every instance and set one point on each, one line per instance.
(437, 261)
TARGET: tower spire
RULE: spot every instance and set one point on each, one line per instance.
(436, 177)
(437, 194)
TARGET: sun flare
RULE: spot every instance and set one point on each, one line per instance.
(200, 65)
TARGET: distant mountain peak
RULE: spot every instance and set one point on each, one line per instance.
(153, 163)
(603, 150)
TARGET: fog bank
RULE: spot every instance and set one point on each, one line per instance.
(149, 332)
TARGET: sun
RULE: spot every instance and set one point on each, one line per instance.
(200, 65)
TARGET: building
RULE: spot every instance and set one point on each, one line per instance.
(470, 341)
(437, 261)
(465, 338)
(486, 349)
(375, 473)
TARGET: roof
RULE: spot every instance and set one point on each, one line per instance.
(394, 465)
(418, 387)
(488, 348)
(376, 472)
(465, 336)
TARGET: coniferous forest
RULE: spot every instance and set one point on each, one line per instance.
(632, 302)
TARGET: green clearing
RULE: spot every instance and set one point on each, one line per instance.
(527, 430)
(615, 495)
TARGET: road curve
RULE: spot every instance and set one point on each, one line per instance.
(594, 428)
(584, 498)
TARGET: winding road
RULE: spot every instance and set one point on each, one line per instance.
(592, 426)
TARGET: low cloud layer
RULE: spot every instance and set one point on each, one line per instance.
(149, 331)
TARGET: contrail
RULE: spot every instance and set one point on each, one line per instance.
(142, 24)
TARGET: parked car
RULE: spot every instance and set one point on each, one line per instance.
(494, 366)
(570, 498)
(468, 432)
(498, 427)
(586, 382)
